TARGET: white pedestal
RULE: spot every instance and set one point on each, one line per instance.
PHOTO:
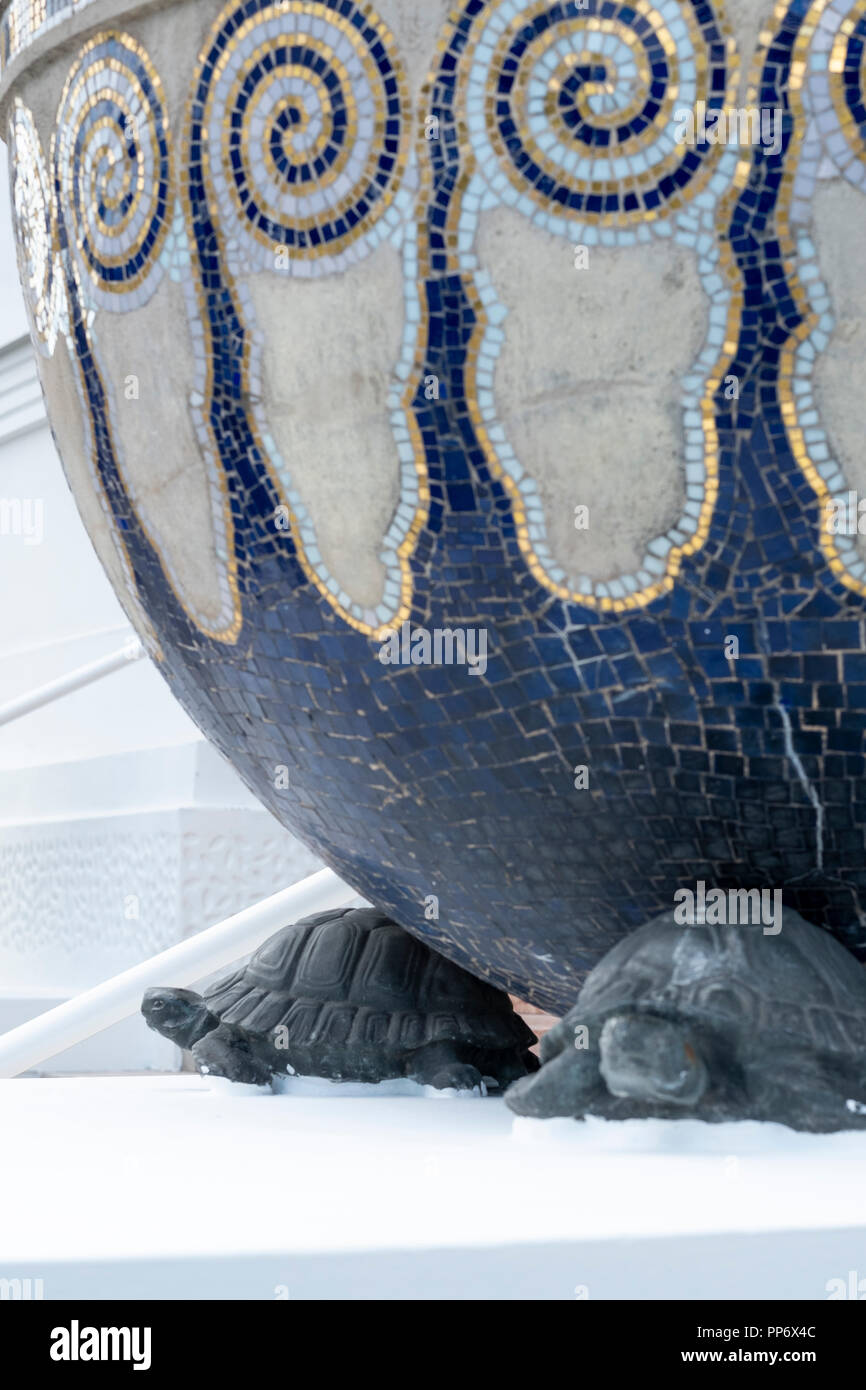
(168, 1189)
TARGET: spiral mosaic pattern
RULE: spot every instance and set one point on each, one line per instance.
(34, 230)
(584, 104)
(113, 164)
(307, 111)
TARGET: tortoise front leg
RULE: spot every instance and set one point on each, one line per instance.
(228, 1051)
(445, 1065)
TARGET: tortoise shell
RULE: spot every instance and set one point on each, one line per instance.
(353, 976)
(799, 983)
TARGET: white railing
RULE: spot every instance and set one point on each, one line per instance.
(132, 650)
(183, 964)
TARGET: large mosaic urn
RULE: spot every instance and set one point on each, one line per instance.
(466, 400)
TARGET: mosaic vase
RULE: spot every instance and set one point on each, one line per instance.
(466, 402)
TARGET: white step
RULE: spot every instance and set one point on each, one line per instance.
(161, 1187)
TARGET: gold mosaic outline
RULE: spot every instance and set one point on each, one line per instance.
(836, 67)
(407, 547)
(231, 632)
(727, 267)
(809, 319)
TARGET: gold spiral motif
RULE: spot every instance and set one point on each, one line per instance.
(113, 163)
(588, 105)
(847, 75)
(307, 107)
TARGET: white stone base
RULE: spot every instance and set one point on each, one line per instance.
(163, 1187)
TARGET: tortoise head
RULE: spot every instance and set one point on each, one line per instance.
(178, 1014)
(650, 1059)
